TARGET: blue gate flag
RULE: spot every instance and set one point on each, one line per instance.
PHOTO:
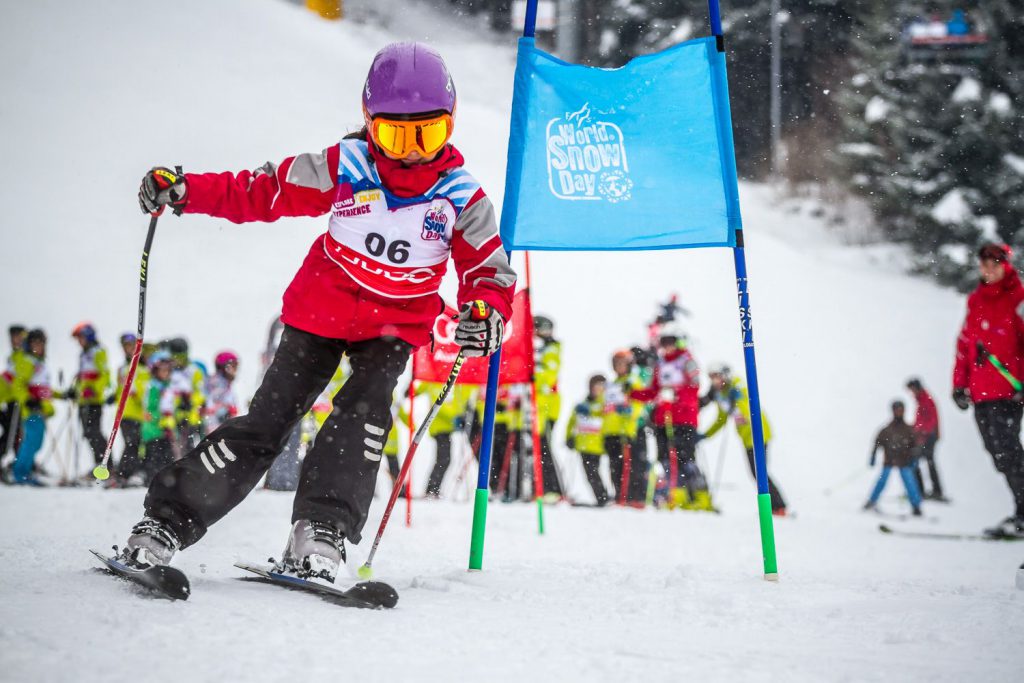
(639, 157)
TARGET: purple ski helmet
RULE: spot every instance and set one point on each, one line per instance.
(406, 79)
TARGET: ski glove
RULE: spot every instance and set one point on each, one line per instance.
(479, 330)
(163, 187)
(960, 398)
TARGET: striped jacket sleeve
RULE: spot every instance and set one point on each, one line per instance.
(480, 259)
(301, 185)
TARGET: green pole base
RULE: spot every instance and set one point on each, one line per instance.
(476, 544)
(540, 516)
(764, 513)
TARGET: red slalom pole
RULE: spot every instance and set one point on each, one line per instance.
(627, 453)
(538, 469)
(100, 472)
(365, 571)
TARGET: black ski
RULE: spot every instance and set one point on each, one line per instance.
(161, 581)
(363, 595)
(985, 536)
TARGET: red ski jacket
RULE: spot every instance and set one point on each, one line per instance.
(377, 269)
(675, 387)
(926, 422)
(994, 319)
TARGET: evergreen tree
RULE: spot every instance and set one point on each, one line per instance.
(932, 143)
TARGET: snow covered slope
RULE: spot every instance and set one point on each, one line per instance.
(95, 93)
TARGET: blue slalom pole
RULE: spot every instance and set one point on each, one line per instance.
(764, 506)
(476, 546)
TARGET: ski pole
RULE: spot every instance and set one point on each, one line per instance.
(366, 571)
(100, 472)
(998, 365)
(845, 481)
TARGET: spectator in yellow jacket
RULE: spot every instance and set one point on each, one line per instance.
(730, 396)
(10, 410)
(450, 418)
(131, 420)
(547, 364)
(584, 435)
(623, 432)
(36, 405)
(90, 387)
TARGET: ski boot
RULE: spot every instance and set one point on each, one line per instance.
(1011, 527)
(678, 498)
(314, 550)
(152, 543)
(702, 501)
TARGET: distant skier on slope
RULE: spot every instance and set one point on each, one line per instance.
(400, 205)
(897, 443)
(993, 333)
(926, 431)
(583, 434)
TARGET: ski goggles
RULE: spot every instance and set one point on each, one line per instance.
(400, 137)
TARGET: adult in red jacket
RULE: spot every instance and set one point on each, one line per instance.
(926, 435)
(675, 389)
(400, 205)
(994, 330)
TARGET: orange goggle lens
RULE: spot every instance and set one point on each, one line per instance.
(401, 137)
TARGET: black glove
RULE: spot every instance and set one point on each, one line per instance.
(699, 437)
(70, 394)
(1018, 396)
(33, 405)
(479, 330)
(961, 399)
(111, 399)
(570, 443)
(161, 187)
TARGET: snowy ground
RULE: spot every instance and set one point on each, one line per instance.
(100, 92)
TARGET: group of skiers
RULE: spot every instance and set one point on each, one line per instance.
(658, 389)
(172, 403)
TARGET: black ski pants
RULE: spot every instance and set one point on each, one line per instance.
(339, 472)
(552, 483)
(927, 453)
(441, 463)
(999, 424)
(778, 502)
(685, 442)
(591, 467)
(10, 426)
(131, 432)
(90, 415)
(615, 447)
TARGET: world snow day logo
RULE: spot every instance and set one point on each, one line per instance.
(587, 158)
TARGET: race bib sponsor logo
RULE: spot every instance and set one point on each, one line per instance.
(586, 158)
(435, 223)
(343, 196)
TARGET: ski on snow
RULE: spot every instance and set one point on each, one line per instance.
(985, 536)
(363, 595)
(161, 581)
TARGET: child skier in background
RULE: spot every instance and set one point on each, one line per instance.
(730, 396)
(547, 365)
(188, 382)
(90, 387)
(623, 431)
(400, 207)
(897, 443)
(131, 420)
(221, 401)
(584, 434)
(34, 392)
(926, 432)
(10, 409)
(158, 427)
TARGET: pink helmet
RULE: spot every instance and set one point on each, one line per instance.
(225, 357)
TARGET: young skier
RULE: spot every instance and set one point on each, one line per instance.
(450, 419)
(221, 402)
(926, 433)
(10, 409)
(400, 205)
(583, 434)
(623, 431)
(35, 392)
(897, 443)
(674, 390)
(159, 424)
(188, 382)
(730, 396)
(90, 387)
(994, 331)
(548, 363)
(131, 420)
